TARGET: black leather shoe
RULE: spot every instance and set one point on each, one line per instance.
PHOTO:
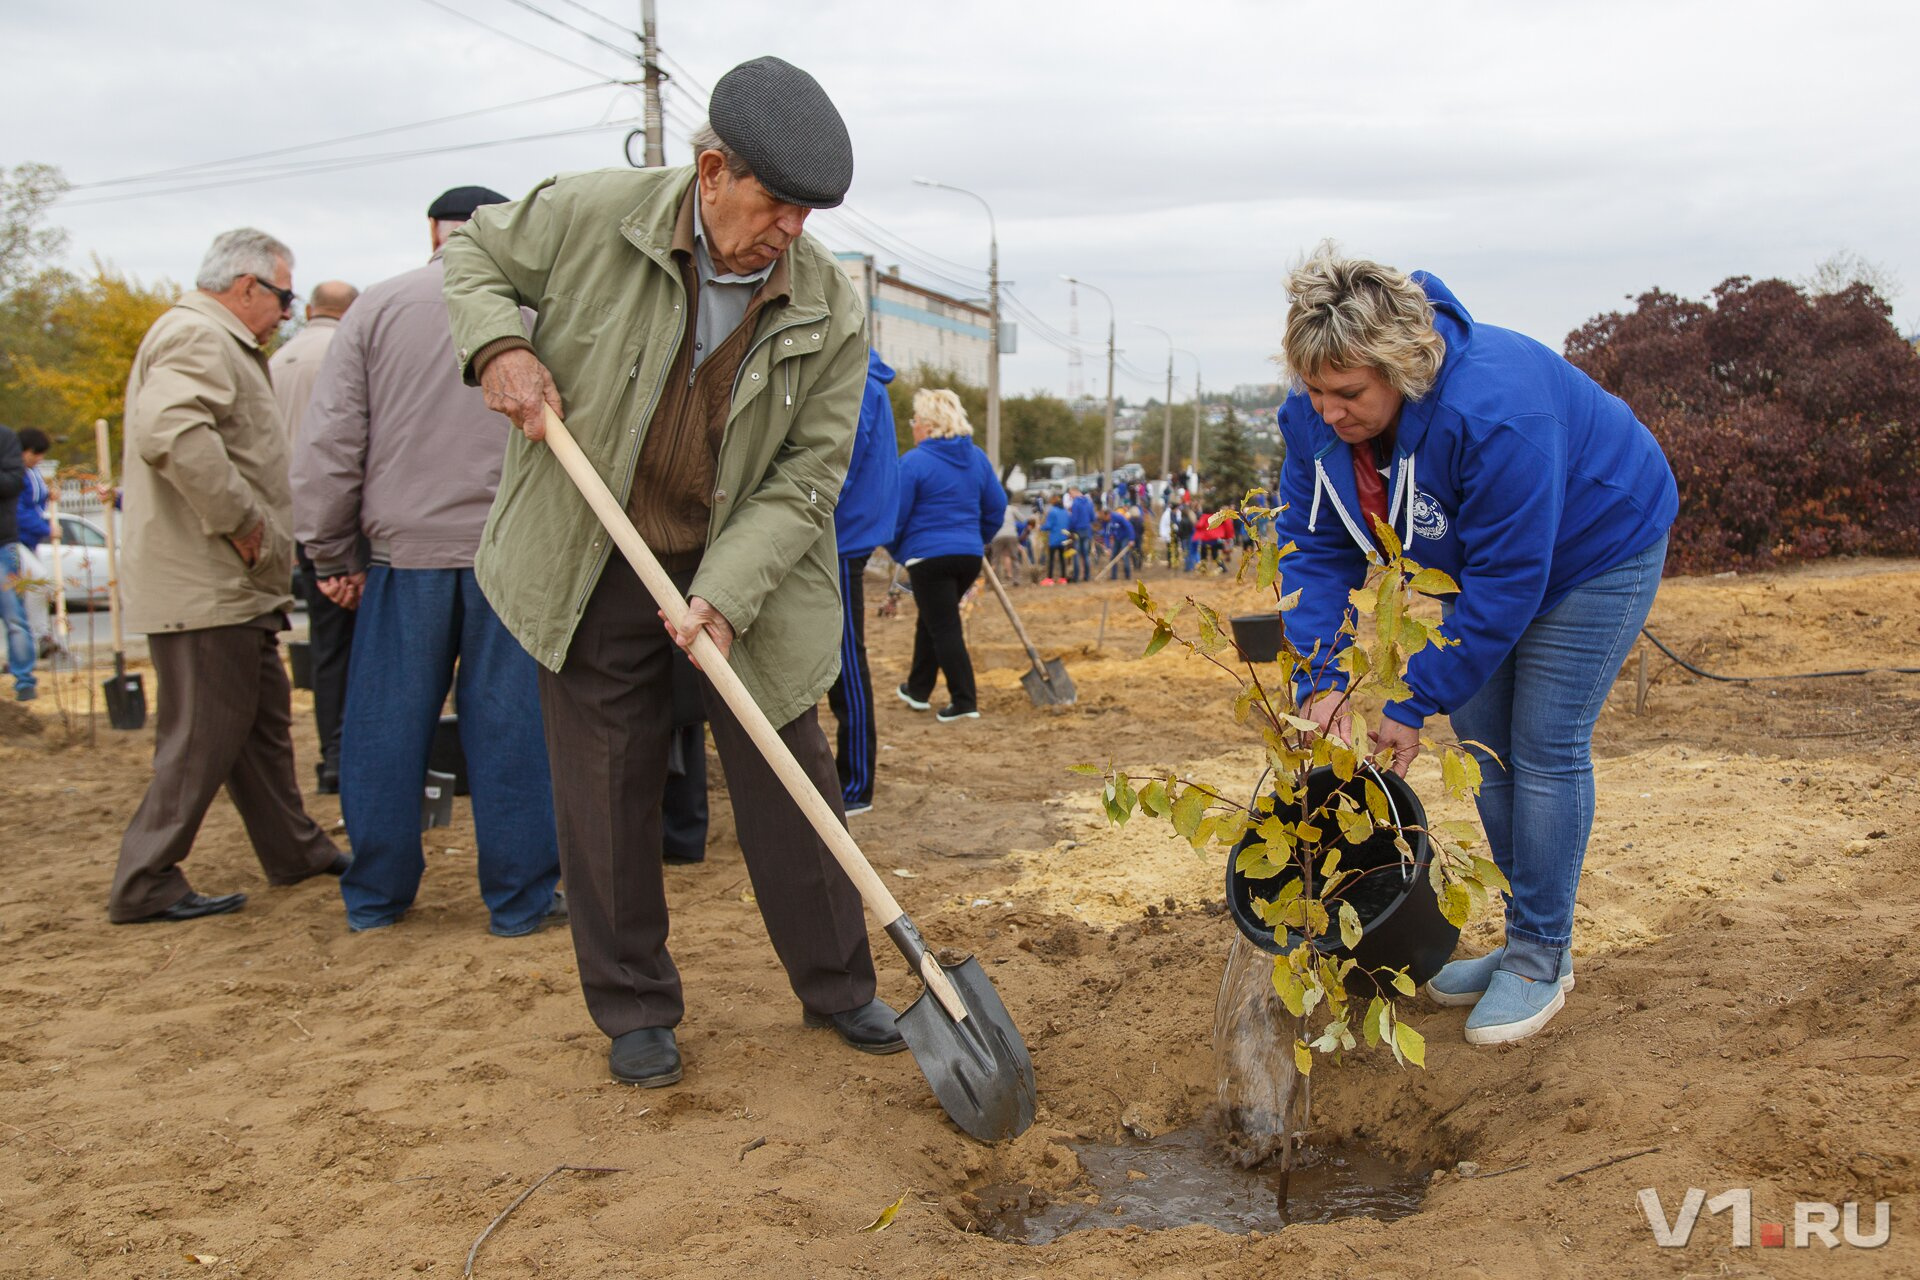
(338, 867)
(869, 1028)
(328, 783)
(192, 907)
(647, 1057)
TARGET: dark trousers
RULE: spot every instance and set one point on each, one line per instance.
(938, 644)
(851, 697)
(1057, 560)
(609, 715)
(225, 719)
(683, 806)
(330, 642)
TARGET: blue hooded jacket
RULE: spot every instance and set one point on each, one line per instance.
(870, 498)
(951, 502)
(1080, 515)
(1058, 525)
(1516, 474)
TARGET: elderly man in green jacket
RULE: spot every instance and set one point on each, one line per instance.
(709, 358)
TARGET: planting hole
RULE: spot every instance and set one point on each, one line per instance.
(1181, 1178)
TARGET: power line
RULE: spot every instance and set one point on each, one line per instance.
(522, 41)
(582, 32)
(308, 168)
(204, 167)
(595, 13)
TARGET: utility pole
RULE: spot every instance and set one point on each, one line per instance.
(1076, 384)
(1107, 447)
(654, 124)
(993, 321)
(1196, 414)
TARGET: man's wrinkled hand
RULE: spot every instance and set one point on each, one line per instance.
(248, 543)
(517, 384)
(700, 616)
(345, 590)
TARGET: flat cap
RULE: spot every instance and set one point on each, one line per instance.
(460, 202)
(780, 121)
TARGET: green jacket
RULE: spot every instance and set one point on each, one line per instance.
(590, 253)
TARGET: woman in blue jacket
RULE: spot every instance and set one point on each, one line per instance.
(1547, 501)
(951, 505)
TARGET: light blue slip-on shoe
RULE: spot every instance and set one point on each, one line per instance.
(1462, 982)
(1513, 1009)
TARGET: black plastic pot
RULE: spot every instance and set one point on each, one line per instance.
(448, 756)
(300, 658)
(1399, 914)
(436, 801)
(1257, 636)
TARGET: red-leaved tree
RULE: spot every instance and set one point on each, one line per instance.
(1792, 421)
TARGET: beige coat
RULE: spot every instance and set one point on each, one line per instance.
(206, 458)
(295, 366)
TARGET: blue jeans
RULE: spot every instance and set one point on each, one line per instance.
(1193, 554)
(1082, 550)
(13, 620)
(1537, 712)
(413, 624)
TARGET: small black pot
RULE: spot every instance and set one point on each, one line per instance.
(448, 755)
(300, 658)
(1399, 914)
(1257, 636)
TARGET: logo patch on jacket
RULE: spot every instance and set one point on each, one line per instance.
(1429, 521)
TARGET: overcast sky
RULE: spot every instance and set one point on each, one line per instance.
(1547, 159)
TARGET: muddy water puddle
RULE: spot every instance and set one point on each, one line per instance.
(1181, 1178)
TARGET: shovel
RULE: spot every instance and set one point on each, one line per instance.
(1047, 683)
(959, 1032)
(126, 695)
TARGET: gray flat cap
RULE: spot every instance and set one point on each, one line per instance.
(780, 121)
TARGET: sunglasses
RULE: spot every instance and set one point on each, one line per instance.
(284, 295)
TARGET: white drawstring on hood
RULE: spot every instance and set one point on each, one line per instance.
(1403, 488)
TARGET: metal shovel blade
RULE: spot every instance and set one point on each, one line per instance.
(978, 1067)
(1051, 687)
(126, 698)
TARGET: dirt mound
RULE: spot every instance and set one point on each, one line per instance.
(18, 723)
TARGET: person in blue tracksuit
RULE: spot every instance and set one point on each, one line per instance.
(1546, 500)
(1058, 526)
(951, 505)
(1118, 535)
(1080, 525)
(869, 504)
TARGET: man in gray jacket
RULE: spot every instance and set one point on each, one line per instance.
(206, 576)
(397, 456)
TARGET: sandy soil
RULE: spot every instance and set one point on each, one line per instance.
(266, 1090)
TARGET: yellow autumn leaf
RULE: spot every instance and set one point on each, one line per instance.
(887, 1215)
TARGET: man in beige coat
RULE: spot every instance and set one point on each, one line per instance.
(206, 575)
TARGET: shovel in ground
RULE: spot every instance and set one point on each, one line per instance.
(958, 1030)
(1047, 683)
(126, 694)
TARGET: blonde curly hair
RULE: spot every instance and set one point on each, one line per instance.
(1349, 313)
(941, 411)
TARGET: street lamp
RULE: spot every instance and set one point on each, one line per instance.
(1107, 453)
(1196, 405)
(993, 322)
(1166, 428)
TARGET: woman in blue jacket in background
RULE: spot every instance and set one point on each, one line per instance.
(951, 505)
(1546, 500)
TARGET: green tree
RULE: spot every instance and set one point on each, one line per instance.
(94, 329)
(1229, 471)
(27, 248)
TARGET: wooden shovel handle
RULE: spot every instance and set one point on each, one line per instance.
(614, 519)
(993, 580)
(105, 445)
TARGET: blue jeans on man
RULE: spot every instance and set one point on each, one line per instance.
(13, 621)
(1537, 712)
(413, 625)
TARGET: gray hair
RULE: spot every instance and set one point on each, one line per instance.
(705, 139)
(1349, 313)
(242, 252)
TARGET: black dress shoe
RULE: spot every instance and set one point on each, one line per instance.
(338, 867)
(647, 1057)
(329, 780)
(870, 1028)
(192, 907)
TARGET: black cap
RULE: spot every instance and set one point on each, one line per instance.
(780, 121)
(458, 204)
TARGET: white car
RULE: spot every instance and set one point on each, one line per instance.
(83, 562)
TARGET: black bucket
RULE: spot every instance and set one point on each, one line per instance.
(1257, 636)
(436, 801)
(448, 755)
(300, 658)
(1399, 914)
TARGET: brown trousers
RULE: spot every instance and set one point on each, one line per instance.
(609, 715)
(225, 719)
